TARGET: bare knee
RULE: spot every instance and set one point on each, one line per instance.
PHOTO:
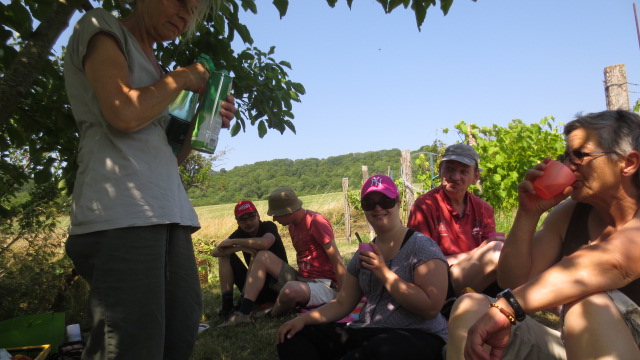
(583, 312)
(466, 311)
(471, 302)
(262, 257)
(491, 253)
(294, 292)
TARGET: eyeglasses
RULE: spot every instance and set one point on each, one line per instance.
(247, 218)
(576, 157)
(385, 202)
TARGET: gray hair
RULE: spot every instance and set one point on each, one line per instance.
(617, 131)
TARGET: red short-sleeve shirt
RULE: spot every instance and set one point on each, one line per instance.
(433, 215)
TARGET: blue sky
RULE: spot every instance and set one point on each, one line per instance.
(375, 82)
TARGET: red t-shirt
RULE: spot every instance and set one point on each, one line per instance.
(308, 238)
(433, 215)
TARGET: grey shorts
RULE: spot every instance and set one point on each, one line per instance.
(532, 340)
(630, 312)
(321, 291)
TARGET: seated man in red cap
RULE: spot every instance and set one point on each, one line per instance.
(252, 235)
(320, 266)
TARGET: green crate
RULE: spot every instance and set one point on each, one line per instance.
(31, 330)
(38, 352)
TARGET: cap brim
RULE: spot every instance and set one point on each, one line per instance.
(462, 159)
(389, 193)
(286, 210)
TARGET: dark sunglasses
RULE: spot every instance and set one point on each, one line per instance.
(247, 218)
(576, 157)
(385, 202)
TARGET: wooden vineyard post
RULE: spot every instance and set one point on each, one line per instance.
(365, 176)
(347, 209)
(407, 182)
(616, 88)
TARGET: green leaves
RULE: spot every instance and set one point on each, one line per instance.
(264, 93)
(419, 7)
(332, 3)
(249, 5)
(15, 16)
(445, 5)
(282, 6)
(507, 153)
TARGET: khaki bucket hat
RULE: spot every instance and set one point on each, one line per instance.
(283, 201)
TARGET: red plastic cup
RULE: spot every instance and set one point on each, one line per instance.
(365, 247)
(555, 178)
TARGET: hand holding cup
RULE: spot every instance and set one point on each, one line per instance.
(555, 178)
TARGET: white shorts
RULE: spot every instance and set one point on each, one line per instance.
(320, 292)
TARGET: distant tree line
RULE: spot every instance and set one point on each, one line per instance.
(306, 176)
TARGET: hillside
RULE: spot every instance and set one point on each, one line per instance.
(306, 176)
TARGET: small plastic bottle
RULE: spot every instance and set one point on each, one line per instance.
(181, 113)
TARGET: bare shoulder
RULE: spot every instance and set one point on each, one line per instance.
(630, 231)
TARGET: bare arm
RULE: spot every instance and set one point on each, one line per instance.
(456, 258)
(346, 300)
(425, 296)
(124, 107)
(336, 261)
(228, 250)
(263, 242)
(254, 244)
(609, 264)
(526, 253)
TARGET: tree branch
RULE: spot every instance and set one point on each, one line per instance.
(29, 62)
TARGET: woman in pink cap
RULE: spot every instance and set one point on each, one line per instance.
(404, 280)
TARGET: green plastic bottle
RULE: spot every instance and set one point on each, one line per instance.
(208, 118)
(181, 113)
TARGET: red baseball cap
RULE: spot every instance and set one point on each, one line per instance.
(243, 207)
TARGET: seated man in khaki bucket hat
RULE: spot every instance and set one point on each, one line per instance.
(320, 266)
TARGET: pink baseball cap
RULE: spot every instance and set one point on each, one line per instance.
(380, 183)
(243, 207)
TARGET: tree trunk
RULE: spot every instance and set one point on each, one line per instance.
(19, 76)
